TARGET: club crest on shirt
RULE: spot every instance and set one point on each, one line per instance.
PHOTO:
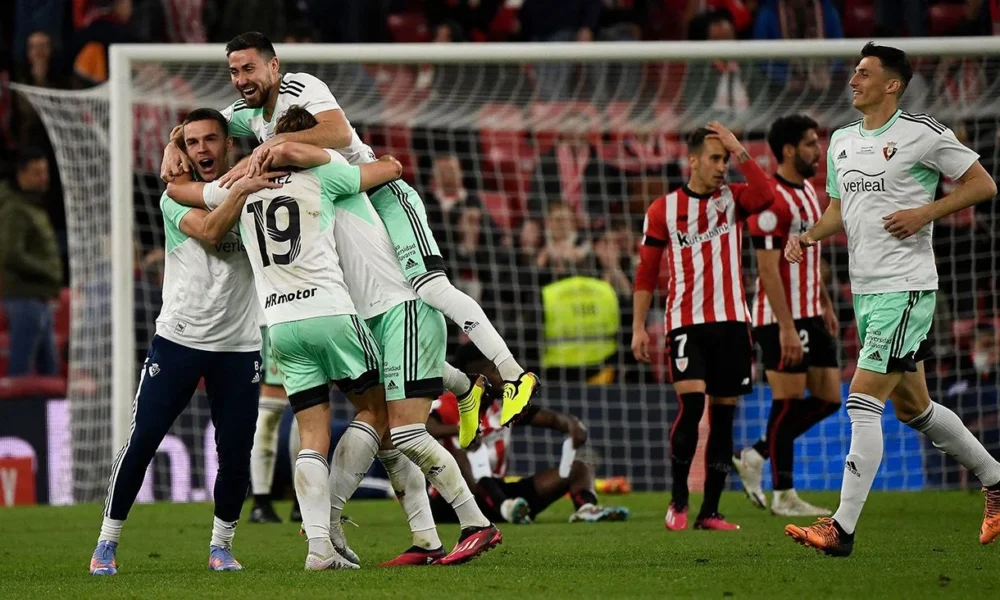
(889, 150)
(721, 203)
(682, 364)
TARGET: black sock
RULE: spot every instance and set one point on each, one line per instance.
(717, 453)
(763, 445)
(581, 497)
(781, 440)
(683, 443)
(261, 499)
(810, 411)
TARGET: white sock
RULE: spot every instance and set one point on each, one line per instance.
(312, 488)
(863, 460)
(265, 444)
(223, 532)
(353, 455)
(466, 312)
(411, 489)
(111, 530)
(949, 435)
(456, 381)
(440, 468)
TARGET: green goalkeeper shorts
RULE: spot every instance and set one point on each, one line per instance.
(311, 353)
(268, 366)
(413, 339)
(893, 328)
(402, 211)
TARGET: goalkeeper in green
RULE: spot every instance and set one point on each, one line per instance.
(882, 174)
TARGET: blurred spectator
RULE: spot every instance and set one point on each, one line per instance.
(740, 14)
(799, 20)
(227, 19)
(174, 21)
(446, 194)
(623, 19)
(566, 252)
(110, 26)
(36, 15)
(899, 18)
(341, 22)
(558, 21)
(38, 70)
(301, 32)
(461, 20)
(30, 267)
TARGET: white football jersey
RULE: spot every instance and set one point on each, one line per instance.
(367, 255)
(876, 173)
(297, 89)
(208, 294)
(289, 237)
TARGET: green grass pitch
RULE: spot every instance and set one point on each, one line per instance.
(910, 545)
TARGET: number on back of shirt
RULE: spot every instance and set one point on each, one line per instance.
(270, 235)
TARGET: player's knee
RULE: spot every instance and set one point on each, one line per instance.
(908, 407)
(580, 473)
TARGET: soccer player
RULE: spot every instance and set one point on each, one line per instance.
(266, 95)
(707, 319)
(485, 466)
(793, 319)
(202, 331)
(411, 339)
(882, 173)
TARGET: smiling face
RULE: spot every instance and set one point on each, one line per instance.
(871, 84)
(207, 145)
(253, 76)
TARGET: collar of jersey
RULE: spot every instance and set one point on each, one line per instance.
(866, 133)
(798, 186)
(693, 194)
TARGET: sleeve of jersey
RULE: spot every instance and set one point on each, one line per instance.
(315, 95)
(339, 179)
(757, 193)
(768, 228)
(214, 195)
(238, 120)
(172, 211)
(446, 408)
(949, 156)
(654, 240)
(832, 189)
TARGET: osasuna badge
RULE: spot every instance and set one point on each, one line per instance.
(682, 364)
(154, 370)
(889, 150)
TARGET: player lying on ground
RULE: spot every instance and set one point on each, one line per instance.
(266, 95)
(707, 319)
(882, 175)
(202, 331)
(794, 322)
(484, 464)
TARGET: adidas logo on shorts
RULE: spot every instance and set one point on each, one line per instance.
(875, 356)
(411, 264)
(392, 386)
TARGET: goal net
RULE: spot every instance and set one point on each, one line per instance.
(537, 163)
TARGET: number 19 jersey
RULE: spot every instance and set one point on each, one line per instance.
(289, 236)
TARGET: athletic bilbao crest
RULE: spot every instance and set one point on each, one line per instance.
(889, 150)
(682, 364)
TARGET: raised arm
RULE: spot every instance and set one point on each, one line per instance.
(211, 226)
(184, 190)
(758, 192)
(561, 422)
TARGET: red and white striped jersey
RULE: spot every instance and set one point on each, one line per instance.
(701, 235)
(490, 458)
(795, 210)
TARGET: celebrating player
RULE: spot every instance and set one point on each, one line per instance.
(202, 331)
(266, 95)
(794, 321)
(882, 174)
(485, 466)
(707, 319)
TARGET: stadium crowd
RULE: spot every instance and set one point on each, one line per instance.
(517, 237)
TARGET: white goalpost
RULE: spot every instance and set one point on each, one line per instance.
(501, 110)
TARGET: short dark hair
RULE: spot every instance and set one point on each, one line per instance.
(696, 139)
(29, 154)
(208, 114)
(699, 26)
(254, 40)
(789, 129)
(295, 118)
(893, 59)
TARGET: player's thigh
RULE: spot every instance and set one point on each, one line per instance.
(823, 374)
(168, 379)
(303, 375)
(910, 397)
(729, 359)
(824, 383)
(233, 386)
(402, 211)
(271, 385)
(347, 351)
(540, 490)
(370, 407)
(892, 328)
(687, 356)
(413, 338)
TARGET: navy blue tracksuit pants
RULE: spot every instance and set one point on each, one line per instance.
(169, 378)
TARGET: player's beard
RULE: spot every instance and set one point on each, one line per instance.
(805, 169)
(260, 97)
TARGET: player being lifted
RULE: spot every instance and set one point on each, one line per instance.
(202, 331)
(266, 95)
(707, 319)
(882, 174)
(794, 321)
